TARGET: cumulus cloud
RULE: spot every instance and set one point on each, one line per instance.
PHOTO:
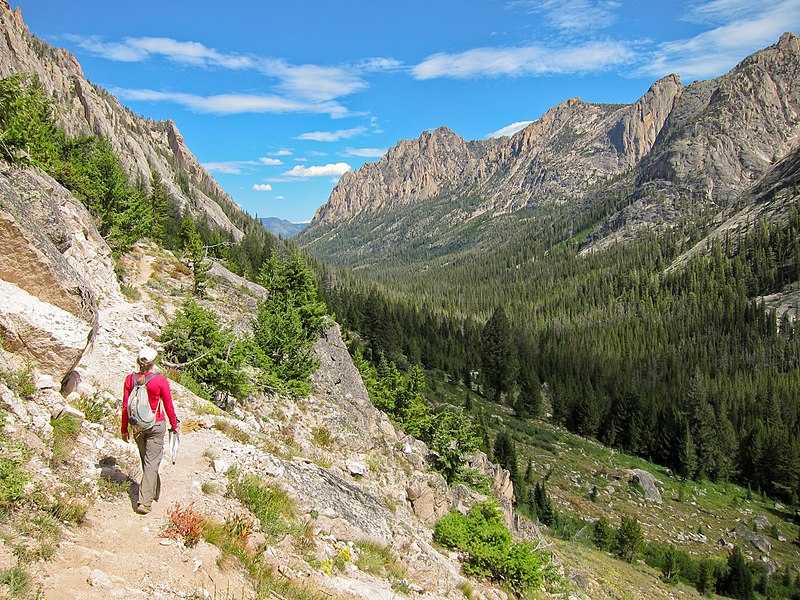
(262, 187)
(332, 136)
(509, 129)
(264, 160)
(365, 152)
(337, 169)
(229, 104)
(740, 28)
(280, 198)
(525, 61)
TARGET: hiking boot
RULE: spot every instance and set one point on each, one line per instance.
(142, 509)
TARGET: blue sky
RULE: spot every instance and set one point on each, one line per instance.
(278, 99)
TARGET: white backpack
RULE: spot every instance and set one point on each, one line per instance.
(140, 414)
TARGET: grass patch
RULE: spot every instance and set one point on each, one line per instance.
(322, 437)
(18, 582)
(272, 506)
(209, 488)
(232, 431)
(378, 559)
(130, 293)
(65, 432)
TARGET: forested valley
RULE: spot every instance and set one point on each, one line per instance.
(683, 365)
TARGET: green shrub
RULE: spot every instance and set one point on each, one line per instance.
(490, 551)
(94, 408)
(21, 382)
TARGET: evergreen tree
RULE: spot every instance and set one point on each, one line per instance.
(603, 534)
(739, 580)
(497, 354)
(505, 455)
(629, 538)
(544, 505)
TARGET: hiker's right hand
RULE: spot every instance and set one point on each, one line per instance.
(125, 436)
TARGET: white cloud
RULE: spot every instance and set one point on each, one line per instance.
(229, 167)
(525, 61)
(262, 187)
(281, 152)
(365, 152)
(742, 28)
(509, 130)
(229, 104)
(270, 161)
(319, 171)
(379, 64)
(280, 198)
(311, 83)
(140, 49)
(314, 82)
(574, 15)
(332, 136)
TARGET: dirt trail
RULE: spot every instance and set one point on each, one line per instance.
(117, 553)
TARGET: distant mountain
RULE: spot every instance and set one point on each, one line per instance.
(282, 227)
(677, 151)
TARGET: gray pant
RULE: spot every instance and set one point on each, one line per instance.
(151, 448)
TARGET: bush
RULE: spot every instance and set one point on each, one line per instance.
(489, 549)
(21, 383)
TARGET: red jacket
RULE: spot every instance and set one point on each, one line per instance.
(157, 389)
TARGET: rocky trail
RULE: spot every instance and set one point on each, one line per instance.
(117, 553)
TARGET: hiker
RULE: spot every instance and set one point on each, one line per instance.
(150, 441)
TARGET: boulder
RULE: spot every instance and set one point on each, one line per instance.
(759, 542)
(648, 483)
(51, 338)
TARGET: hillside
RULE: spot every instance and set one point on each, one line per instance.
(144, 147)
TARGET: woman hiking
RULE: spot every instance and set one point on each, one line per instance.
(150, 441)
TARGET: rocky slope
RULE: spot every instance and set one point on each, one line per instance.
(64, 317)
(144, 146)
(676, 150)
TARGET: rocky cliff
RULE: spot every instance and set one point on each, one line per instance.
(674, 151)
(144, 146)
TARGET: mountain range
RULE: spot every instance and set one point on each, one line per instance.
(677, 152)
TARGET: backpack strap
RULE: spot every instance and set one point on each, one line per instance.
(160, 406)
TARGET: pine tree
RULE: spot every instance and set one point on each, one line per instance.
(497, 354)
(505, 455)
(739, 580)
(629, 538)
(544, 505)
